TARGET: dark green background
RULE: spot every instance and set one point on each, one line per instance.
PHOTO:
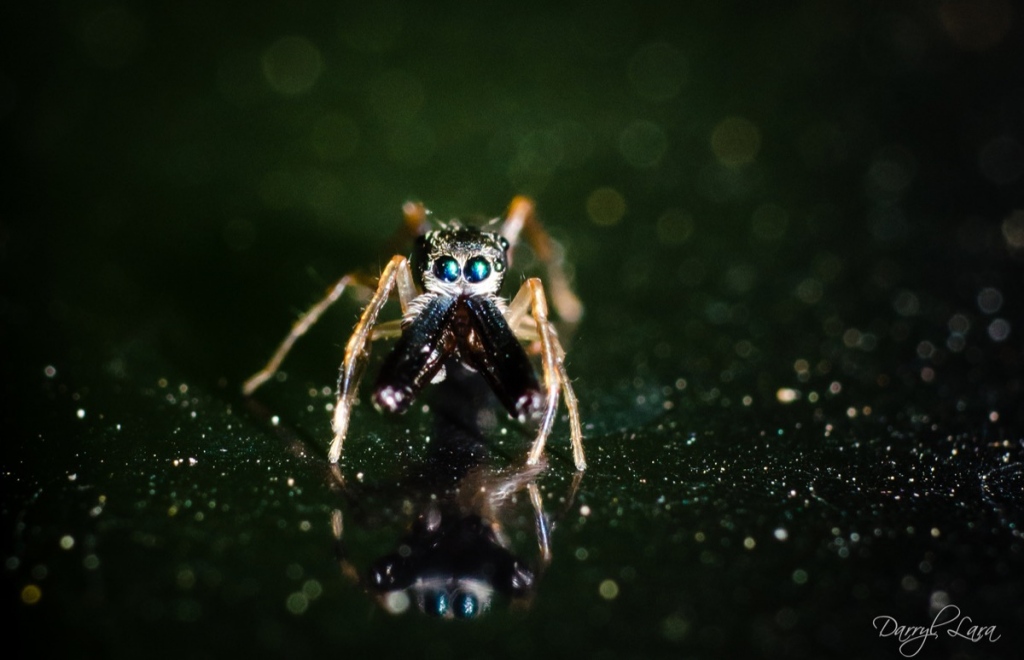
(183, 178)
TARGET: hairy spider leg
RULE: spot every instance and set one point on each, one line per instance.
(543, 529)
(414, 223)
(396, 274)
(300, 327)
(521, 218)
(531, 298)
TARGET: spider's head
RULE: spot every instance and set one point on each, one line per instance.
(460, 261)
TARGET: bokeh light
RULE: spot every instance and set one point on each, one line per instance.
(735, 141)
(292, 65)
(1013, 230)
(606, 206)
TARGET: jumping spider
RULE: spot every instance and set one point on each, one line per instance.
(452, 314)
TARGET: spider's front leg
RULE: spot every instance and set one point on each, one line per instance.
(396, 273)
(300, 327)
(414, 224)
(521, 220)
(531, 298)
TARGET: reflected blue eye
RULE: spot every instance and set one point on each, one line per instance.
(478, 269)
(437, 603)
(446, 269)
(466, 606)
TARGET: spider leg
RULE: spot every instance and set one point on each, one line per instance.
(543, 529)
(299, 328)
(387, 330)
(531, 296)
(414, 223)
(522, 219)
(396, 274)
(348, 569)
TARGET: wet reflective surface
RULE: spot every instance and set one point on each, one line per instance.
(455, 557)
(797, 234)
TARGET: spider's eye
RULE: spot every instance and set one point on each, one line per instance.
(437, 603)
(478, 269)
(466, 606)
(446, 269)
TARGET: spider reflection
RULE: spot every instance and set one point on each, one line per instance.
(456, 557)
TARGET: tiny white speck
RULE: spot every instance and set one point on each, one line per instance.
(81, 413)
(275, 420)
(50, 371)
(584, 510)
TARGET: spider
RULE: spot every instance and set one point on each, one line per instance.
(453, 316)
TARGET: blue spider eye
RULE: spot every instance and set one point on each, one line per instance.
(466, 606)
(437, 603)
(446, 269)
(477, 270)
